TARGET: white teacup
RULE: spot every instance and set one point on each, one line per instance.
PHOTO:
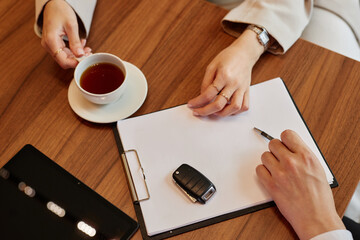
(92, 60)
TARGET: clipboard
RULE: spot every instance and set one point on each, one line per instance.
(180, 230)
(215, 219)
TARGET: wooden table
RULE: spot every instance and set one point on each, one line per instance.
(171, 42)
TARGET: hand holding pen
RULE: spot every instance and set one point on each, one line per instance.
(296, 181)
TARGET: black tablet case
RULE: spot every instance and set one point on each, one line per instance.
(215, 219)
(24, 217)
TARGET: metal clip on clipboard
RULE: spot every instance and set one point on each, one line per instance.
(135, 175)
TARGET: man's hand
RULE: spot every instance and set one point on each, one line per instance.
(297, 183)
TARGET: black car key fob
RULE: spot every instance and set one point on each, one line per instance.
(196, 186)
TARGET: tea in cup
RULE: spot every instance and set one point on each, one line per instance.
(101, 78)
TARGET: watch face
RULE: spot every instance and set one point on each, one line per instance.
(264, 38)
(262, 35)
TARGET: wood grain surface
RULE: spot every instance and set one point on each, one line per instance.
(172, 42)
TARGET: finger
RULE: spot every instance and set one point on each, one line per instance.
(221, 101)
(264, 177)
(83, 42)
(56, 47)
(207, 95)
(237, 104)
(269, 161)
(72, 32)
(65, 59)
(52, 41)
(88, 51)
(279, 150)
(293, 141)
(217, 105)
(227, 93)
(245, 104)
(209, 77)
(204, 98)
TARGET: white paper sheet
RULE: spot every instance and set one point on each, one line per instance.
(226, 150)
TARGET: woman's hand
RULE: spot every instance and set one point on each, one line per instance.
(60, 20)
(225, 87)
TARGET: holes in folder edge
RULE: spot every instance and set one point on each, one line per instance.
(137, 175)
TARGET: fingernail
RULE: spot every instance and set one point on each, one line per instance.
(189, 105)
(80, 51)
(196, 114)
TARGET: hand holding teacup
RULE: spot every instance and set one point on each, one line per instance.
(59, 20)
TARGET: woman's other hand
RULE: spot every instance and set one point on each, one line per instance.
(225, 87)
(60, 20)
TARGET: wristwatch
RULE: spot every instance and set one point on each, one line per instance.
(262, 35)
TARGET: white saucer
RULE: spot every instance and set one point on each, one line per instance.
(128, 103)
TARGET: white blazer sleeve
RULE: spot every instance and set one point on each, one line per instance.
(334, 235)
(283, 19)
(83, 8)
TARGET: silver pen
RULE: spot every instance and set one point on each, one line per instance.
(264, 134)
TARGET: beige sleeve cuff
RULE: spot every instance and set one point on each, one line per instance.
(83, 8)
(284, 20)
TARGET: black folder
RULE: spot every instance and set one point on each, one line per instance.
(40, 200)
